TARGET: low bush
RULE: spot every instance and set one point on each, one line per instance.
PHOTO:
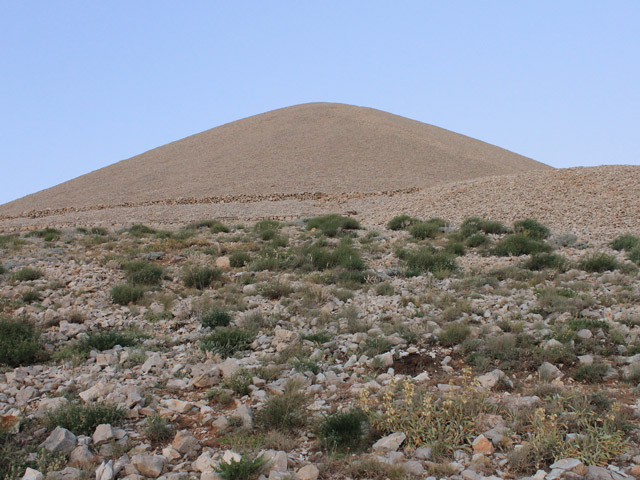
(424, 230)
(275, 289)
(285, 412)
(239, 382)
(476, 240)
(124, 294)
(332, 225)
(47, 234)
(454, 334)
(215, 317)
(540, 261)
(200, 277)
(634, 255)
(343, 431)
(157, 429)
(82, 419)
(599, 262)
(426, 259)
(454, 248)
(593, 373)
(246, 468)
(226, 341)
(531, 228)
(143, 272)
(105, 340)
(239, 259)
(28, 274)
(473, 225)
(625, 242)
(519, 244)
(19, 343)
(140, 230)
(402, 222)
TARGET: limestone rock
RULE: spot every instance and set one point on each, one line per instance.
(390, 443)
(149, 465)
(60, 440)
(186, 443)
(308, 472)
(103, 433)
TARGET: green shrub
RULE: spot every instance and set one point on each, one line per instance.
(375, 345)
(454, 334)
(342, 431)
(424, 230)
(19, 343)
(2, 269)
(634, 255)
(519, 244)
(98, 231)
(332, 225)
(267, 229)
(270, 259)
(593, 373)
(226, 341)
(286, 412)
(426, 259)
(473, 225)
(124, 294)
(28, 274)
(454, 248)
(275, 289)
(246, 468)
(143, 272)
(385, 288)
(30, 296)
(402, 222)
(322, 258)
(200, 277)
(239, 382)
(214, 225)
(239, 259)
(82, 419)
(531, 228)
(540, 261)
(48, 234)
(157, 429)
(625, 242)
(476, 240)
(599, 262)
(215, 317)
(104, 340)
(140, 230)
(11, 241)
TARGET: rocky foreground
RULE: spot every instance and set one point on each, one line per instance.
(319, 350)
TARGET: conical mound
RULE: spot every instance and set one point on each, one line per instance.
(316, 147)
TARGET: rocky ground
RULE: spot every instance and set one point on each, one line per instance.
(319, 350)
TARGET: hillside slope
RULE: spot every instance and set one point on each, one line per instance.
(316, 147)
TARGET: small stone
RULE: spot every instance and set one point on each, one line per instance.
(176, 405)
(103, 433)
(584, 334)
(482, 445)
(31, 474)
(243, 412)
(81, 457)
(223, 263)
(277, 460)
(210, 475)
(423, 453)
(390, 443)
(283, 339)
(229, 367)
(413, 467)
(68, 473)
(149, 465)
(49, 404)
(566, 464)
(308, 472)
(204, 463)
(230, 456)
(547, 371)
(186, 443)
(60, 440)
(105, 471)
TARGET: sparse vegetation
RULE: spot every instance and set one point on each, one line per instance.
(226, 341)
(200, 277)
(519, 244)
(402, 222)
(599, 262)
(28, 274)
(143, 272)
(332, 225)
(247, 468)
(157, 429)
(19, 343)
(124, 294)
(286, 412)
(82, 419)
(343, 431)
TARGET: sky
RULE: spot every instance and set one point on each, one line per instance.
(86, 84)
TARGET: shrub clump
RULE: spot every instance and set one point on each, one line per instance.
(200, 277)
(124, 294)
(286, 412)
(625, 242)
(143, 272)
(531, 228)
(402, 222)
(427, 259)
(47, 234)
(19, 343)
(239, 259)
(157, 429)
(28, 274)
(322, 258)
(599, 262)
(332, 225)
(519, 244)
(246, 468)
(226, 341)
(540, 261)
(424, 230)
(215, 317)
(343, 431)
(454, 334)
(139, 230)
(473, 225)
(82, 419)
(105, 340)
(476, 240)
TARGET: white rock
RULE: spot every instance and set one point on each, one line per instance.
(149, 465)
(103, 433)
(105, 471)
(308, 472)
(31, 474)
(390, 443)
(60, 440)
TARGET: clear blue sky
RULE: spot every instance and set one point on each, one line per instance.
(84, 84)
